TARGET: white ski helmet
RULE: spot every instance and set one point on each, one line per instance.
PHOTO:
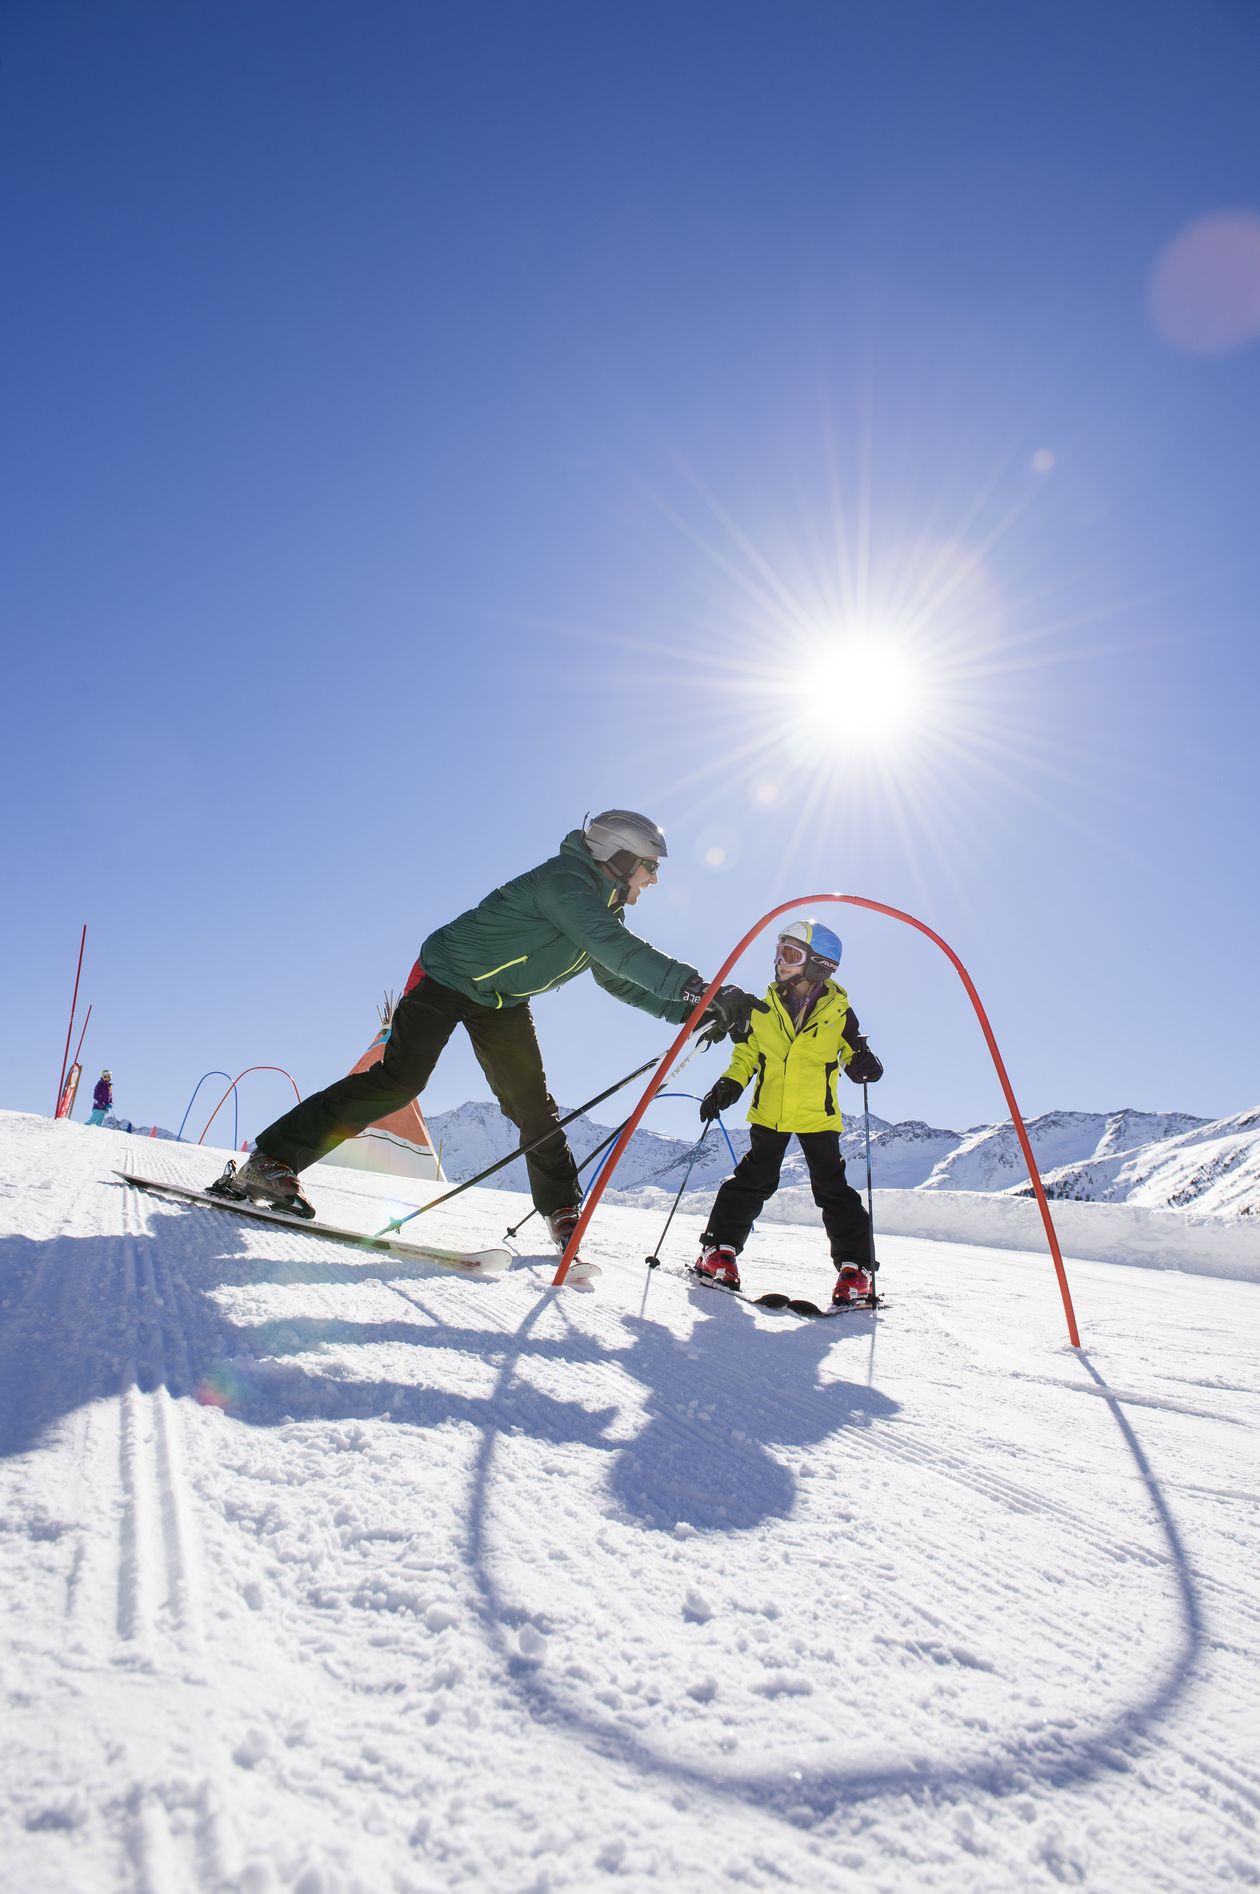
(621, 832)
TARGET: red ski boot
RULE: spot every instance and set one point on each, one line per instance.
(852, 1284)
(561, 1224)
(719, 1266)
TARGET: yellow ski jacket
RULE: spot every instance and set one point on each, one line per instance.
(796, 1072)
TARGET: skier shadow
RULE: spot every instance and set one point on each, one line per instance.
(82, 1318)
(707, 1461)
(86, 1316)
(807, 1798)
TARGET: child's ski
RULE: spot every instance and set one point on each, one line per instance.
(490, 1262)
(795, 1305)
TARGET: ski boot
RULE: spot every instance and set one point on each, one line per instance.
(264, 1180)
(561, 1224)
(718, 1263)
(853, 1284)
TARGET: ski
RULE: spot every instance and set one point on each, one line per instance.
(488, 1262)
(795, 1305)
(583, 1272)
(800, 1305)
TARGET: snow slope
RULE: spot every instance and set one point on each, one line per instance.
(324, 1572)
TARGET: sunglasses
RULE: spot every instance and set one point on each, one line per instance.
(791, 954)
(651, 866)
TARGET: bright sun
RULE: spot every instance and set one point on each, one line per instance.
(853, 684)
(870, 685)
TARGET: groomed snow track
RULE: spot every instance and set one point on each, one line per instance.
(324, 1573)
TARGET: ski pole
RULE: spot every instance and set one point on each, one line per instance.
(654, 1260)
(396, 1223)
(602, 1146)
(513, 1229)
(870, 1206)
(717, 1121)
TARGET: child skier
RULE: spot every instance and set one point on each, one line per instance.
(795, 1048)
(102, 1098)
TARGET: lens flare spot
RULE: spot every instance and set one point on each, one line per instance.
(1205, 286)
(220, 1387)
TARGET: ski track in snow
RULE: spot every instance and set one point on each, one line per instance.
(329, 1572)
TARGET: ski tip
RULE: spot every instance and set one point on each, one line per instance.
(495, 1262)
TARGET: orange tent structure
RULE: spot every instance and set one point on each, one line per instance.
(397, 1146)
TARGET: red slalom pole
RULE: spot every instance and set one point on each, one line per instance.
(65, 1057)
(82, 1036)
(658, 1077)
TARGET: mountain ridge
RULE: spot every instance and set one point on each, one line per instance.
(1161, 1160)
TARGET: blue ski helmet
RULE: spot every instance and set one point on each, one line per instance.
(822, 948)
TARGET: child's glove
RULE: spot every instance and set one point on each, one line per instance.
(864, 1067)
(717, 1098)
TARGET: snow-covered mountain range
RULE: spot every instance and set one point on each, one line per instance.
(1162, 1160)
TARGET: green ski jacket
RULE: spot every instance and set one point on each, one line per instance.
(546, 927)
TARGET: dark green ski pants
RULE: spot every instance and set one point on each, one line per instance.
(507, 1051)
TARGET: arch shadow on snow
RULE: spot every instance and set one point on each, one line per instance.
(83, 1317)
(807, 1798)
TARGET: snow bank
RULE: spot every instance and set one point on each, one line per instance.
(1201, 1245)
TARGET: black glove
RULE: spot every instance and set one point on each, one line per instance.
(729, 1011)
(717, 1098)
(863, 1068)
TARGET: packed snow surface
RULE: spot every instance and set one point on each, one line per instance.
(327, 1571)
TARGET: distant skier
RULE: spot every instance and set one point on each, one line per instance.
(480, 971)
(102, 1098)
(797, 1044)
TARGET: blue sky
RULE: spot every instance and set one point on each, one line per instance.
(425, 424)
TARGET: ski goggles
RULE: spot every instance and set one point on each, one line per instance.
(790, 953)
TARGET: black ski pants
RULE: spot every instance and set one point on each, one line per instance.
(507, 1051)
(742, 1197)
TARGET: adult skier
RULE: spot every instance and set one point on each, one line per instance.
(804, 1034)
(102, 1098)
(481, 971)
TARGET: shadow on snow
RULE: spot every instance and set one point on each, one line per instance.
(84, 1317)
(1053, 1757)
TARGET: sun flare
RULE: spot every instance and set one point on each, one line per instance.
(854, 681)
(874, 674)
